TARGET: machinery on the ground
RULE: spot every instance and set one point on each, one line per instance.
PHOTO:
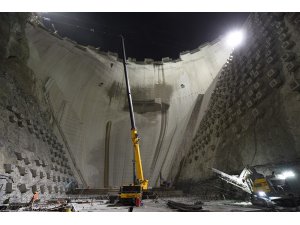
(264, 190)
(133, 194)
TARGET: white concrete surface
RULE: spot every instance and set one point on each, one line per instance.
(83, 105)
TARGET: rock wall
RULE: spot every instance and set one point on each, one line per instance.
(252, 117)
(64, 112)
(86, 90)
(32, 158)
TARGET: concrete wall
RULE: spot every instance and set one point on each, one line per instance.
(86, 90)
(251, 116)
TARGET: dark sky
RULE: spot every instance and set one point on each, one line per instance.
(147, 35)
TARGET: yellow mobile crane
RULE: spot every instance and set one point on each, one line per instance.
(132, 194)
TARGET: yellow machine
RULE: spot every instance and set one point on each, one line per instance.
(264, 190)
(249, 180)
(137, 156)
(132, 194)
(261, 184)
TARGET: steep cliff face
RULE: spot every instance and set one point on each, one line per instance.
(86, 90)
(28, 145)
(251, 116)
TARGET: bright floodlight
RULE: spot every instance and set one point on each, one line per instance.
(234, 38)
(262, 193)
(287, 174)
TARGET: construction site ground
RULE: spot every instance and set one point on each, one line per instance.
(152, 205)
(160, 205)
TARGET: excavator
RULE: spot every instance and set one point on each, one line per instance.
(134, 193)
(268, 191)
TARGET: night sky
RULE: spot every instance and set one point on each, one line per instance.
(147, 35)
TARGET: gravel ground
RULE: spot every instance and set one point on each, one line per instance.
(160, 205)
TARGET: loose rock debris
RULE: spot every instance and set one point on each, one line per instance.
(196, 207)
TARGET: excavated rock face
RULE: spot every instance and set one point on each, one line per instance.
(27, 141)
(86, 90)
(14, 50)
(64, 114)
(64, 109)
(253, 113)
(13, 43)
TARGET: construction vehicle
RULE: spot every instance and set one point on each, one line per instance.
(133, 194)
(263, 190)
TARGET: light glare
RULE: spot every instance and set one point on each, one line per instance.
(234, 38)
(287, 174)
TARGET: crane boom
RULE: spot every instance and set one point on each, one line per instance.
(134, 134)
